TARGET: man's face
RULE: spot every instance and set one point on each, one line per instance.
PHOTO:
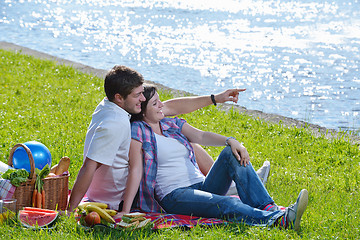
(132, 104)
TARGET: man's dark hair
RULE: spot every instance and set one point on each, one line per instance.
(122, 80)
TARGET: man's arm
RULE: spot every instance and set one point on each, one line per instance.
(82, 182)
(184, 105)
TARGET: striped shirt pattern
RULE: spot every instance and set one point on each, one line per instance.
(142, 132)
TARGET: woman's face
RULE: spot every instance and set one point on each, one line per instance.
(153, 112)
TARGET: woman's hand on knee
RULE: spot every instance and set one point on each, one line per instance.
(240, 152)
(244, 156)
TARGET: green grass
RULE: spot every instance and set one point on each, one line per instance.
(52, 104)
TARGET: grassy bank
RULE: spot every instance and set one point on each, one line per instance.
(53, 104)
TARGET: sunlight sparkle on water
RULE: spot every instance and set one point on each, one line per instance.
(296, 58)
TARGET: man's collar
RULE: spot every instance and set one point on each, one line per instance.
(115, 106)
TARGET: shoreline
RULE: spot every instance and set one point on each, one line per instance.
(268, 117)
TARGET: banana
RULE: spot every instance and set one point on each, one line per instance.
(111, 212)
(80, 208)
(98, 204)
(103, 214)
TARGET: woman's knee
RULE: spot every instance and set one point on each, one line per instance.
(227, 155)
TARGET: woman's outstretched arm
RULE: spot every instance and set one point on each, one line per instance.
(183, 105)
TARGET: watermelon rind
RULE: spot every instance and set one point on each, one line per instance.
(36, 220)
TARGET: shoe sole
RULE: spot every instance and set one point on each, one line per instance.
(266, 175)
(303, 201)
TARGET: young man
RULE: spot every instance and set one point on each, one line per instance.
(106, 169)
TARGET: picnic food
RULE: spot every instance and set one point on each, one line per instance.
(61, 167)
(132, 217)
(82, 206)
(92, 218)
(103, 214)
(16, 176)
(128, 225)
(95, 208)
(35, 217)
(6, 215)
(135, 219)
(38, 195)
(111, 212)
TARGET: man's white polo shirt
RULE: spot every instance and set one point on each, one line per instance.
(108, 142)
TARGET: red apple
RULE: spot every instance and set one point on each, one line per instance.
(92, 218)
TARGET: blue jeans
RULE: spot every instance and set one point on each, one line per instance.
(206, 199)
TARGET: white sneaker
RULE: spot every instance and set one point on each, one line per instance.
(295, 211)
(264, 172)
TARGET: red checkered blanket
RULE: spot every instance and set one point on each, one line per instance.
(165, 220)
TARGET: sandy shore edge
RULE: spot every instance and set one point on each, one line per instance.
(273, 118)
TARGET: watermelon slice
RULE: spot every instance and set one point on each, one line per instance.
(39, 209)
(35, 218)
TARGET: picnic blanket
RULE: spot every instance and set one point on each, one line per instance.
(166, 220)
(6, 189)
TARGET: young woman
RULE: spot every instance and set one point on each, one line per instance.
(172, 181)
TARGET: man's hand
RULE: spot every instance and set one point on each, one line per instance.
(119, 215)
(229, 95)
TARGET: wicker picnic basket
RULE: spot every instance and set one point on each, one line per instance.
(56, 188)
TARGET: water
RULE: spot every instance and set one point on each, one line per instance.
(296, 58)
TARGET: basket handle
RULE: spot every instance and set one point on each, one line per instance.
(32, 176)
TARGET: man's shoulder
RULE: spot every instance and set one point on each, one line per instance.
(110, 123)
(106, 108)
(116, 122)
(110, 113)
